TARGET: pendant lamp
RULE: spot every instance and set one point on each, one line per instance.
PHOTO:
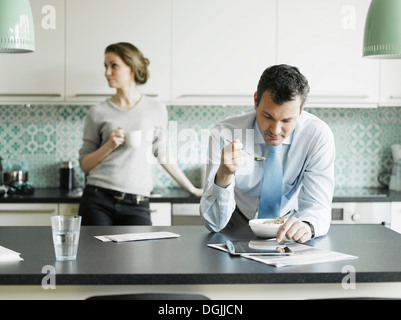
(382, 38)
(17, 34)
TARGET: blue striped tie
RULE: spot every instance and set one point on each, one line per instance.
(270, 196)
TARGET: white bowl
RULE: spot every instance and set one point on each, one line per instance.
(264, 230)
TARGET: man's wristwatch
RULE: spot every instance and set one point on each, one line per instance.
(312, 229)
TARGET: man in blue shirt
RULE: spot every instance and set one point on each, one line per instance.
(234, 179)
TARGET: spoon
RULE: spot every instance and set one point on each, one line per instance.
(257, 158)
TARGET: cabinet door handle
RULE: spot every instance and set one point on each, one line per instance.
(99, 95)
(27, 211)
(333, 96)
(31, 95)
(395, 97)
(201, 95)
(82, 95)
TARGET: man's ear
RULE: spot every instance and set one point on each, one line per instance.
(302, 107)
(255, 99)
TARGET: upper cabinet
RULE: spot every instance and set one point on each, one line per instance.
(324, 39)
(220, 49)
(390, 88)
(201, 51)
(37, 76)
(94, 24)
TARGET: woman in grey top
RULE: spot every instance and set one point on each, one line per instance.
(119, 177)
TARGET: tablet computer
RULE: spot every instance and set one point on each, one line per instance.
(242, 247)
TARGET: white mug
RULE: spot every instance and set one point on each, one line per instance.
(133, 139)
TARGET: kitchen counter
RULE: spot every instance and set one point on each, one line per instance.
(55, 195)
(366, 195)
(188, 265)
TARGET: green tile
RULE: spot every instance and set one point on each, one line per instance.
(46, 135)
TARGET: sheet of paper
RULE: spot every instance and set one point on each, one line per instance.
(7, 255)
(303, 257)
(303, 254)
(137, 236)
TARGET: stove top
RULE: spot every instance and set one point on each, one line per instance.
(19, 188)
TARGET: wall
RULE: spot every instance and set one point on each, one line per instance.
(46, 135)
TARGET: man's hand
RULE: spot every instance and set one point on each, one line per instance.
(294, 229)
(231, 160)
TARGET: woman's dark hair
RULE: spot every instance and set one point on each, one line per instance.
(284, 83)
(132, 57)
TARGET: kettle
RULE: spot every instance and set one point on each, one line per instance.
(395, 179)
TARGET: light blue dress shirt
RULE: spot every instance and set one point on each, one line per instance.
(308, 172)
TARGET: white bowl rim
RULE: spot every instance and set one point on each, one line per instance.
(259, 222)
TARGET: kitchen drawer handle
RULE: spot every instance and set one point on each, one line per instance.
(95, 95)
(27, 211)
(80, 95)
(333, 96)
(183, 96)
(395, 97)
(31, 95)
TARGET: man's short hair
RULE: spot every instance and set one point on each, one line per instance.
(284, 83)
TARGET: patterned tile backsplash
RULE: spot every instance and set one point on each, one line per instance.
(46, 135)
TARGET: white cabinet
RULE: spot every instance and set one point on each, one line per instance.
(390, 86)
(324, 39)
(94, 24)
(38, 214)
(27, 214)
(68, 208)
(396, 216)
(201, 51)
(37, 76)
(220, 49)
(160, 213)
(186, 214)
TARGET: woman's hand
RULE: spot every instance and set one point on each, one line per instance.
(91, 160)
(116, 139)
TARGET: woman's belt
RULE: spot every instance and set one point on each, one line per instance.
(118, 195)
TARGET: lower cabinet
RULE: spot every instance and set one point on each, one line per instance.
(160, 213)
(27, 214)
(68, 208)
(186, 214)
(396, 216)
(38, 214)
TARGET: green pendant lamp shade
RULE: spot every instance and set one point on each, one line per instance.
(17, 34)
(382, 38)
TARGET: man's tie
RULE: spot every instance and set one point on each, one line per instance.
(270, 196)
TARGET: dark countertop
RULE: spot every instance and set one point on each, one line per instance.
(366, 195)
(55, 195)
(187, 259)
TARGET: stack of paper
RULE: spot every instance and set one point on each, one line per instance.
(138, 236)
(7, 255)
(303, 254)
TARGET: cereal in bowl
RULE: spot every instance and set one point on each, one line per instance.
(279, 220)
